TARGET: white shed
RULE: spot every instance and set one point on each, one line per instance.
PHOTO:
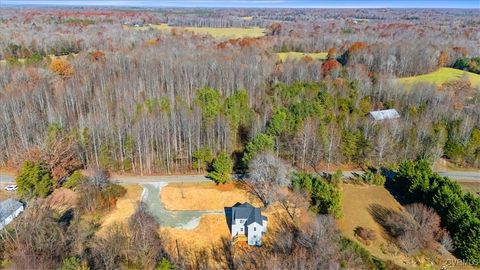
(384, 115)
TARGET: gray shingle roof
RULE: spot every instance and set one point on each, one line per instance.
(7, 208)
(248, 212)
(385, 114)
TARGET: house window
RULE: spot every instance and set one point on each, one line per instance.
(254, 229)
(241, 229)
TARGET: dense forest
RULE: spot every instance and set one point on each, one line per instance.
(150, 101)
(86, 92)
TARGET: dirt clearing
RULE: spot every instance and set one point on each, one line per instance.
(203, 196)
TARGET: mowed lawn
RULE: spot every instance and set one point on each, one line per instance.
(441, 76)
(299, 55)
(223, 32)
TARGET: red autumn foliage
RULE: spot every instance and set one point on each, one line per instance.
(97, 55)
(330, 65)
(460, 50)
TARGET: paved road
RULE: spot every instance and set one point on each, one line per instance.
(462, 176)
(168, 179)
(6, 179)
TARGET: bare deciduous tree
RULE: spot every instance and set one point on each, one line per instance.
(267, 174)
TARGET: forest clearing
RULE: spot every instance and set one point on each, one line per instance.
(216, 32)
(283, 56)
(357, 201)
(442, 76)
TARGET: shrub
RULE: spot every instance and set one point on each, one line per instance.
(349, 246)
(71, 263)
(429, 230)
(367, 235)
(165, 264)
(373, 177)
(399, 226)
(75, 180)
(61, 67)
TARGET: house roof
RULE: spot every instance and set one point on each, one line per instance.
(7, 208)
(384, 114)
(248, 212)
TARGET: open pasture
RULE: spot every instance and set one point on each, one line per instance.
(441, 76)
(220, 33)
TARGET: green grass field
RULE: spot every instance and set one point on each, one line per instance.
(441, 76)
(299, 55)
(233, 32)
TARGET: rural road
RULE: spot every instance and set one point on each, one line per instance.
(462, 176)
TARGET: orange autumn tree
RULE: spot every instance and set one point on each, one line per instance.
(332, 53)
(97, 55)
(61, 67)
(357, 46)
(443, 58)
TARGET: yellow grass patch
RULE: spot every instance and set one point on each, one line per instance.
(221, 32)
(441, 76)
(203, 196)
(356, 201)
(51, 56)
(283, 56)
(209, 232)
(125, 207)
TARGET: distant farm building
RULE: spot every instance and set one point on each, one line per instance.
(247, 223)
(9, 209)
(384, 115)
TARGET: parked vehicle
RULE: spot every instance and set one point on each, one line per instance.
(11, 188)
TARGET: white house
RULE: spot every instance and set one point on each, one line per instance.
(247, 221)
(9, 209)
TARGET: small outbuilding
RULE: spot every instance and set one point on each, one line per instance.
(9, 209)
(389, 114)
(247, 222)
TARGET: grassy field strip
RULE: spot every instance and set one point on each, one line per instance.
(22, 60)
(441, 76)
(227, 32)
(299, 55)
